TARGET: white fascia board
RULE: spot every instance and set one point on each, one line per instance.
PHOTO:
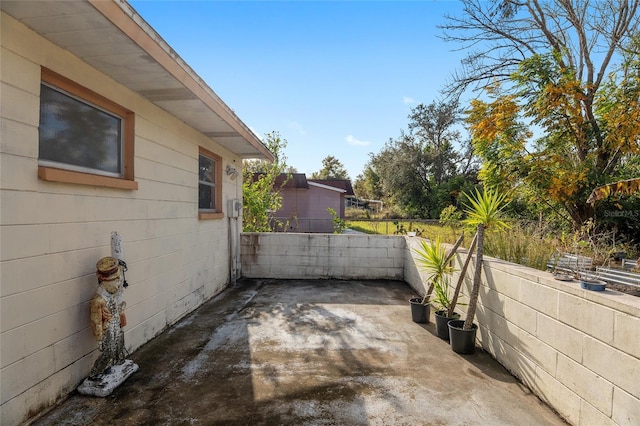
(331, 188)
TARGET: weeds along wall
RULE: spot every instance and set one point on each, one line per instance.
(578, 350)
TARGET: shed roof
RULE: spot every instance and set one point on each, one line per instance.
(344, 184)
(114, 39)
(329, 187)
(292, 180)
(300, 181)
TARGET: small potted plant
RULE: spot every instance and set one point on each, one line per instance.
(420, 309)
(443, 303)
(433, 258)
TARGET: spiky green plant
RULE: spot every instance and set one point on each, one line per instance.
(433, 258)
(484, 212)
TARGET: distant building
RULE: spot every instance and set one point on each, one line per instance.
(305, 203)
(373, 206)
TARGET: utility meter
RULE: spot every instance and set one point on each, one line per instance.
(233, 207)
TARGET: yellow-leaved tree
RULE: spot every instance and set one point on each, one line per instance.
(560, 114)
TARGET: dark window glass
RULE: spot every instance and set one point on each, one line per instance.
(78, 134)
(207, 184)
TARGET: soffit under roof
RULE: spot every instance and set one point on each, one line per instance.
(114, 39)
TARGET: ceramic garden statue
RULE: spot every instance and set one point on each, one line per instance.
(107, 319)
(107, 315)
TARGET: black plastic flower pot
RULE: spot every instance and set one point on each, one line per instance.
(419, 312)
(442, 323)
(462, 341)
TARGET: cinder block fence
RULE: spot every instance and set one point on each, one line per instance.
(578, 350)
(311, 256)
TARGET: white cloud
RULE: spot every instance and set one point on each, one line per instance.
(407, 100)
(294, 125)
(353, 141)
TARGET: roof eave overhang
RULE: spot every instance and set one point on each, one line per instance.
(331, 188)
(114, 39)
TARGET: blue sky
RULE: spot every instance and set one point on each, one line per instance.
(334, 78)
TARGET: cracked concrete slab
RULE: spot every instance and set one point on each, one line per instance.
(313, 352)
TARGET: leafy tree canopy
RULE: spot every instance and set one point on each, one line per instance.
(332, 168)
(568, 71)
(368, 185)
(422, 171)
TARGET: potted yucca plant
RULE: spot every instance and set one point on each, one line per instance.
(484, 213)
(433, 258)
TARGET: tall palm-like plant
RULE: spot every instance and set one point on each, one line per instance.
(484, 213)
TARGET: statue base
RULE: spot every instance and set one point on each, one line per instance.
(103, 384)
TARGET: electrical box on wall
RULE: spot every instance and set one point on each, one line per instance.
(233, 207)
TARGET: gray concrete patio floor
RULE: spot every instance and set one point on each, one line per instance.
(273, 352)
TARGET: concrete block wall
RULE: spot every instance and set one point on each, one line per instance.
(323, 256)
(414, 275)
(578, 350)
(52, 233)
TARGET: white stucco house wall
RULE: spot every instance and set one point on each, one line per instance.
(145, 149)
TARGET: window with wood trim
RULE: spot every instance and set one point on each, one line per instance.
(209, 185)
(83, 137)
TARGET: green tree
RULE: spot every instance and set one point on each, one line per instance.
(332, 168)
(551, 67)
(433, 126)
(260, 192)
(368, 185)
(422, 172)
